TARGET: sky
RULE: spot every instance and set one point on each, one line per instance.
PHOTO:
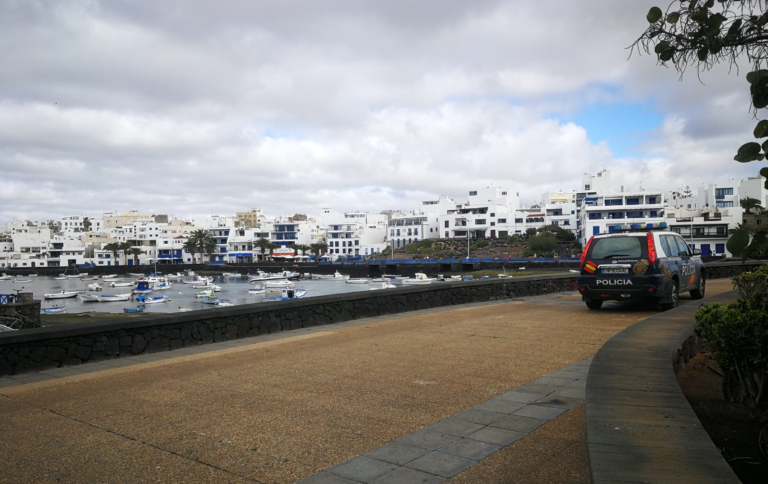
(192, 108)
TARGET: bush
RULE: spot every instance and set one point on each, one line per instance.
(530, 232)
(543, 245)
(737, 337)
(513, 239)
(481, 243)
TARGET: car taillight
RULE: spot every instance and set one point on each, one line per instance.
(584, 254)
(651, 249)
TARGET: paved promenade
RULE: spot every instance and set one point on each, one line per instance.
(290, 406)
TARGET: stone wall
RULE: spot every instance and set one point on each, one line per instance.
(23, 314)
(44, 348)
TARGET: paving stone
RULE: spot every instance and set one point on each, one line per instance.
(572, 374)
(558, 401)
(553, 381)
(518, 423)
(535, 411)
(470, 449)
(541, 390)
(8, 382)
(428, 439)
(397, 453)
(578, 384)
(499, 405)
(569, 392)
(33, 378)
(441, 464)
(405, 475)
(327, 478)
(519, 397)
(63, 372)
(496, 436)
(455, 426)
(362, 469)
(483, 417)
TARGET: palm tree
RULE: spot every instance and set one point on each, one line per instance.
(113, 247)
(201, 237)
(303, 248)
(263, 244)
(86, 224)
(210, 246)
(749, 204)
(135, 252)
(190, 246)
(125, 247)
(321, 247)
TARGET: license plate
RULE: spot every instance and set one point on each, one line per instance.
(615, 270)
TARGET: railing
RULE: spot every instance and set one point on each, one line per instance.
(470, 261)
(8, 298)
(447, 261)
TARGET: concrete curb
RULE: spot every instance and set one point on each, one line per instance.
(640, 427)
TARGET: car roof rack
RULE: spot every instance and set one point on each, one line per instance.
(628, 228)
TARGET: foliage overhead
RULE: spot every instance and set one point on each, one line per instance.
(703, 33)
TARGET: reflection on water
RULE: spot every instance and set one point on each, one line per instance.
(233, 289)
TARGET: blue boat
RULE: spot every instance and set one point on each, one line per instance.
(144, 287)
(54, 310)
(139, 309)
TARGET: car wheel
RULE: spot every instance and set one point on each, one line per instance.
(672, 304)
(594, 304)
(698, 293)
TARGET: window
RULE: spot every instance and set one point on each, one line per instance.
(446, 234)
(633, 201)
(725, 204)
(502, 220)
(586, 187)
(566, 222)
(415, 231)
(720, 230)
(669, 245)
(720, 248)
(493, 215)
(652, 200)
(654, 213)
(446, 224)
(472, 194)
(721, 193)
(357, 242)
(611, 247)
(613, 201)
(480, 221)
(503, 193)
(594, 216)
(518, 220)
(682, 247)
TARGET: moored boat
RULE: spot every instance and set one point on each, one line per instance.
(144, 287)
(144, 299)
(5, 277)
(87, 298)
(257, 290)
(54, 310)
(61, 295)
(122, 284)
(418, 278)
(139, 309)
(280, 283)
(288, 294)
(113, 297)
(93, 287)
(358, 280)
(17, 281)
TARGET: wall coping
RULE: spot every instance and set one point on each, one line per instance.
(100, 326)
(640, 427)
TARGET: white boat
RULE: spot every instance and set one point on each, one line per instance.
(113, 297)
(136, 274)
(210, 300)
(5, 277)
(224, 303)
(144, 299)
(215, 288)
(77, 276)
(122, 284)
(144, 287)
(109, 276)
(182, 309)
(206, 293)
(338, 277)
(280, 283)
(15, 281)
(61, 295)
(89, 278)
(54, 310)
(358, 281)
(61, 278)
(199, 280)
(385, 284)
(266, 276)
(87, 298)
(257, 290)
(93, 287)
(32, 275)
(418, 278)
(162, 284)
(231, 274)
(455, 278)
(178, 275)
(288, 294)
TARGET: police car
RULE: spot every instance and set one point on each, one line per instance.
(653, 266)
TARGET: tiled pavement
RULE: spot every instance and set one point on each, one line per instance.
(445, 449)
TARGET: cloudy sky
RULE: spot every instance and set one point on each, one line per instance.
(198, 107)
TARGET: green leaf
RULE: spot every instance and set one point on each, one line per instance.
(764, 172)
(673, 17)
(702, 54)
(761, 130)
(735, 27)
(654, 15)
(755, 76)
(667, 54)
(759, 91)
(745, 158)
(750, 148)
(710, 3)
(661, 46)
(700, 15)
(765, 146)
(763, 19)
(738, 242)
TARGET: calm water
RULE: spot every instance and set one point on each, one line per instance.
(233, 289)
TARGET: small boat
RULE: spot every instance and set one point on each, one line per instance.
(144, 287)
(16, 281)
(288, 294)
(418, 278)
(90, 278)
(142, 298)
(77, 276)
(32, 275)
(109, 276)
(257, 290)
(61, 295)
(455, 278)
(122, 284)
(61, 278)
(231, 274)
(136, 274)
(54, 310)
(210, 300)
(337, 277)
(5, 277)
(178, 275)
(206, 293)
(385, 284)
(182, 309)
(113, 297)
(139, 309)
(87, 298)
(280, 283)
(266, 276)
(358, 281)
(93, 287)
(199, 280)
(163, 284)
(224, 303)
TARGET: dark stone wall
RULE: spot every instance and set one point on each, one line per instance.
(25, 313)
(722, 270)
(39, 349)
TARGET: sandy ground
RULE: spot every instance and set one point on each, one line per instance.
(280, 411)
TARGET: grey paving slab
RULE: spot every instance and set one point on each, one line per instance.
(572, 374)
(553, 381)
(455, 426)
(499, 405)
(441, 464)
(519, 397)
(33, 378)
(428, 439)
(8, 382)
(397, 453)
(539, 389)
(362, 469)
(578, 384)
(558, 401)
(404, 475)
(536, 411)
(470, 449)
(483, 417)
(63, 372)
(518, 423)
(571, 392)
(497, 436)
(327, 478)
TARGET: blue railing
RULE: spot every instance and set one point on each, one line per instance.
(570, 258)
(543, 259)
(374, 262)
(470, 261)
(517, 260)
(493, 260)
(447, 261)
(323, 262)
(8, 298)
(390, 261)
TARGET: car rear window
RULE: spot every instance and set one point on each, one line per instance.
(616, 248)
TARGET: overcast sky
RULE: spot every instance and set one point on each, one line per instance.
(191, 108)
